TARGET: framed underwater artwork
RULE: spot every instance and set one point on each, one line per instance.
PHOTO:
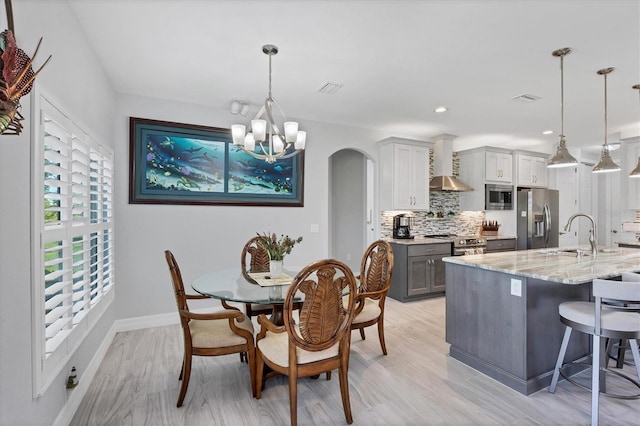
(176, 163)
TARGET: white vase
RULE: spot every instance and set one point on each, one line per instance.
(275, 268)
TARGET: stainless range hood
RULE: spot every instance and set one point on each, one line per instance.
(443, 179)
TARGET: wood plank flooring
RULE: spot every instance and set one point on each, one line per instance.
(416, 384)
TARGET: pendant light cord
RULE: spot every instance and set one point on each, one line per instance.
(270, 98)
(562, 95)
(605, 112)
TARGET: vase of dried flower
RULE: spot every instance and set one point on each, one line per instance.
(275, 268)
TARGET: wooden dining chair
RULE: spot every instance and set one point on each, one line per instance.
(375, 279)
(319, 342)
(254, 259)
(218, 333)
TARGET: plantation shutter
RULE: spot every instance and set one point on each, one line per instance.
(77, 226)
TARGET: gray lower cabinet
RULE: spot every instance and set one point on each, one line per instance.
(418, 270)
(508, 244)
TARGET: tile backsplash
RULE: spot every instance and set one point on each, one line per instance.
(461, 223)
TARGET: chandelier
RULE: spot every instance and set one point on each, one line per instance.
(606, 163)
(271, 144)
(635, 173)
(562, 157)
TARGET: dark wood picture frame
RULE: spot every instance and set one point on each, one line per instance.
(177, 163)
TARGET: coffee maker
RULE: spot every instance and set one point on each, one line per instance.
(402, 226)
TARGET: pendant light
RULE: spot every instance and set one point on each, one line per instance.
(562, 157)
(606, 164)
(635, 173)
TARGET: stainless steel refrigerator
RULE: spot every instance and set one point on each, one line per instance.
(537, 218)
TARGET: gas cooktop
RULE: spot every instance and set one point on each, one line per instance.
(440, 236)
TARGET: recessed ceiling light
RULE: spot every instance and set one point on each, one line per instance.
(547, 132)
(441, 109)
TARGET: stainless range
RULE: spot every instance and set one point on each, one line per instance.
(462, 244)
(465, 245)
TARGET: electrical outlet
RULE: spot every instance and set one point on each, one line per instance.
(348, 257)
(516, 287)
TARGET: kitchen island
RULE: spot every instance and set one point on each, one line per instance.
(502, 309)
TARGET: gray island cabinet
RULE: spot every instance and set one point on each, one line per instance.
(418, 270)
(502, 309)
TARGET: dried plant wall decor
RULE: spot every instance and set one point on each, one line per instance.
(16, 77)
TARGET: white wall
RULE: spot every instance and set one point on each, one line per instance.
(76, 82)
(205, 238)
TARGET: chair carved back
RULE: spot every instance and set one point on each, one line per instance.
(178, 286)
(324, 320)
(254, 258)
(376, 267)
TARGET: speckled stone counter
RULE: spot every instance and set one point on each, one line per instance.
(423, 240)
(502, 309)
(554, 266)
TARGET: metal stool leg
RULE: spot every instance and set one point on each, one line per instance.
(636, 355)
(563, 351)
(595, 380)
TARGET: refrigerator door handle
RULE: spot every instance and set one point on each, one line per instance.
(547, 224)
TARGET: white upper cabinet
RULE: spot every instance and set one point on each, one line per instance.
(531, 170)
(498, 167)
(404, 174)
(480, 166)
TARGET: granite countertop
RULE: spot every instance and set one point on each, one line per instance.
(419, 239)
(548, 265)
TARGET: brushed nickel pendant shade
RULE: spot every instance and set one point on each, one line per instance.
(562, 157)
(606, 163)
(635, 173)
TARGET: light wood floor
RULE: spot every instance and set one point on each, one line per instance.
(417, 383)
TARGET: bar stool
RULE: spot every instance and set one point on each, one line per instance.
(621, 345)
(601, 320)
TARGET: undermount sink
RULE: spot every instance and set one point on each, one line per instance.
(574, 252)
(609, 250)
(565, 252)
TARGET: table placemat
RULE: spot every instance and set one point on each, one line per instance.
(263, 281)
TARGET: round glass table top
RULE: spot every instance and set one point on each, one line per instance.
(231, 285)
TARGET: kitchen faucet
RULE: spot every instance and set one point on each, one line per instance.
(592, 231)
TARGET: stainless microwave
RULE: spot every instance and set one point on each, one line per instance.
(498, 197)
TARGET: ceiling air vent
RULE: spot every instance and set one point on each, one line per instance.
(525, 98)
(329, 88)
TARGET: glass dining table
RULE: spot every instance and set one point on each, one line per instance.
(232, 285)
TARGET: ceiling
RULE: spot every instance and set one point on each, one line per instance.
(397, 61)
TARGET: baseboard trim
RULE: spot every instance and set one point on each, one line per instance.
(137, 323)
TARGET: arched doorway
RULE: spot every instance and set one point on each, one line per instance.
(352, 223)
